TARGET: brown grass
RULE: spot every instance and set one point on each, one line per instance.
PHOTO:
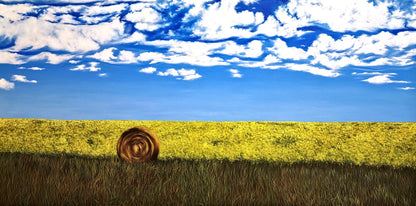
(33, 179)
(138, 144)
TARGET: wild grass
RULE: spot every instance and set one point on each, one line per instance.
(38, 179)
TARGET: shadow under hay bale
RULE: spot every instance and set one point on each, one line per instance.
(138, 144)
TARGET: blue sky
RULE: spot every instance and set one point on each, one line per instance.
(236, 60)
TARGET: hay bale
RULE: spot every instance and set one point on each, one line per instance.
(138, 144)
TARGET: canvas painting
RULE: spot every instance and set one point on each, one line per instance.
(207, 102)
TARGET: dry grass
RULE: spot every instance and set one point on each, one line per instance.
(76, 180)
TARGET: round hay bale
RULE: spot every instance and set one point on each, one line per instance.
(138, 144)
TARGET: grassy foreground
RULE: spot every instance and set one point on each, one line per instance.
(75, 180)
(358, 143)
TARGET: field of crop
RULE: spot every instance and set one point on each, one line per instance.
(56, 162)
(358, 143)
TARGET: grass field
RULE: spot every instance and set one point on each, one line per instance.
(74, 180)
(58, 162)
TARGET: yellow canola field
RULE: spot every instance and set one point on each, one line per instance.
(360, 143)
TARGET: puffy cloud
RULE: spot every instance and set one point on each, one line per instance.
(281, 49)
(15, 12)
(235, 73)
(135, 37)
(181, 74)
(107, 55)
(102, 74)
(169, 72)
(252, 50)
(286, 26)
(92, 68)
(213, 25)
(145, 17)
(127, 57)
(10, 58)
(353, 15)
(21, 78)
(348, 50)
(50, 57)
(148, 70)
(6, 85)
(35, 33)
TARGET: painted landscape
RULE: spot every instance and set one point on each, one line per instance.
(207, 102)
(287, 163)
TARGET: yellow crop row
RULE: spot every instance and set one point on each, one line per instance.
(358, 143)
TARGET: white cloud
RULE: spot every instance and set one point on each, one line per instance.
(126, 57)
(235, 73)
(34, 33)
(148, 70)
(341, 16)
(14, 12)
(365, 44)
(370, 73)
(102, 74)
(213, 25)
(155, 57)
(347, 50)
(380, 78)
(135, 37)
(252, 50)
(10, 58)
(406, 88)
(50, 57)
(312, 70)
(183, 74)
(92, 68)
(107, 55)
(21, 78)
(102, 9)
(6, 85)
(145, 17)
(33, 68)
(281, 49)
(287, 26)
(171, 72)
(74, 61)
(269, 62)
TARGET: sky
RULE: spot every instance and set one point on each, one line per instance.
(234, 60)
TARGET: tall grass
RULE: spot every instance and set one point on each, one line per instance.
(76, 180)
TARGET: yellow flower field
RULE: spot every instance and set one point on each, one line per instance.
(360, 143)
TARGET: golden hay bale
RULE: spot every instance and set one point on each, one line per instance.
(138, 144)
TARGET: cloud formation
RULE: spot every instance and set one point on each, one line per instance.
(148, 70)
(21, 78)
(320, 37)
(6, 85)
(235, 73)
(380, 78)
(181, 74)
(92, 67)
